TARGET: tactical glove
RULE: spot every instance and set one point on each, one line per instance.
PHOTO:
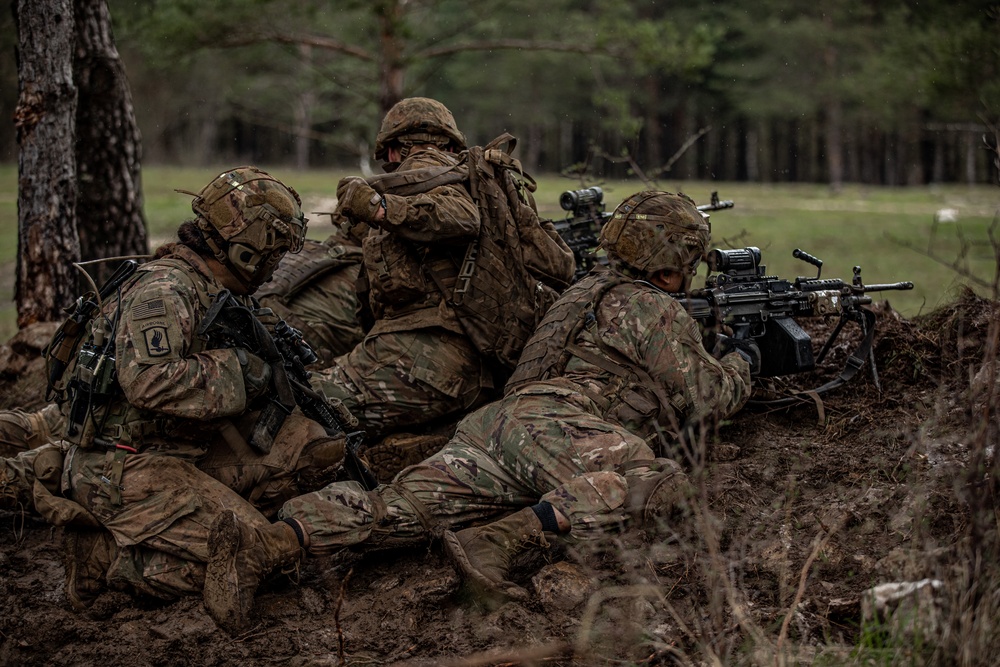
(358, 201)
(746, 348)
(256, 373)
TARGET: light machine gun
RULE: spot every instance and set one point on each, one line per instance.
(586, 215)
(228, 323)
(764, 309)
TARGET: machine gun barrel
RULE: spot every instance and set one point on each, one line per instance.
(885, 287)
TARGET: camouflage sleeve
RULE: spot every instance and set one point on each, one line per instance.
(670, 348)
(546, 255)
(156, 369)
(446, 213)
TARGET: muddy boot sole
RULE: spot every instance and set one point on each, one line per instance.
(222, 595)
(475, 579)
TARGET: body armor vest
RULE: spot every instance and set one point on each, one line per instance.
(314, 261)
(623, 392)
(110, 418)
(546, 354)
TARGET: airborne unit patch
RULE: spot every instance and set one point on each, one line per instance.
(157, 342)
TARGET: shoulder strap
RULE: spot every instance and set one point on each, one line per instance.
(417, 181)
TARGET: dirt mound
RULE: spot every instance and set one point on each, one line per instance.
(801, 510)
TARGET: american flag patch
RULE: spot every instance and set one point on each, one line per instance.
(153, 308)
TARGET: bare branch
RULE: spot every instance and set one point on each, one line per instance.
(325, 43)
(507, 44)
(682, 150)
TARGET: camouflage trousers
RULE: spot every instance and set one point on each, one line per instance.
(19, 473)
(303, 458)
(21, 430)
(394, 381)
(534, 445)
(162, 520)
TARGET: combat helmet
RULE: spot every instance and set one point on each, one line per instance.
(654, 231)
(417, 120)
(257, 216)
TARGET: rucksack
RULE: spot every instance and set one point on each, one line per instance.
(498, 299)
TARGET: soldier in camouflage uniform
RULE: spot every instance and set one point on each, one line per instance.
(615, 369)
(313, 291)
(20, 430)
(143, 463)
(416, 364)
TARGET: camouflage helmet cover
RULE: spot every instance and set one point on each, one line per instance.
(259, 217)
(417, 120)
(654, 231)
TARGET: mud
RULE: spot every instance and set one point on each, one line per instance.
(801, 510)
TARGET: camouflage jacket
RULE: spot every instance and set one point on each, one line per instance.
(634, 353)
(173, 389)
(314, 291)
(418, 230)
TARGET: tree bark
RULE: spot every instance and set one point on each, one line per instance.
(110, 220)
(44, 122)
(391, 64)
(304, 111)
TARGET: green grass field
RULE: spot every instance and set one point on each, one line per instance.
(886, 231)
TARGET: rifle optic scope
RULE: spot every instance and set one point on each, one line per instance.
(740, 260)
(574, 199)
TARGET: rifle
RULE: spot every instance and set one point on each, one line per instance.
(228, 323)
(581, 229)
(764, 308)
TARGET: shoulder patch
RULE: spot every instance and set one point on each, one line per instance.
(147, 309)
(157, 342)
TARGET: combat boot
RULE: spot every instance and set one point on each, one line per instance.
(483, 555)
(239, 557)
(89, 554)
(658, 495)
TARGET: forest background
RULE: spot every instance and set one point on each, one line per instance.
(818, 110)
(893, 93)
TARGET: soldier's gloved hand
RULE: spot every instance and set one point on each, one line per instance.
(256, 373)
(268, 318)
(745, 348)
(359, 201)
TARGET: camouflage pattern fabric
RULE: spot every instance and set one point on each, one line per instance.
(21, 430)
(544, 441)
(325, 311)
(18, 475)
(398, 380)
(162, 523)
(195, 396)
(314, 292)
(416, 364)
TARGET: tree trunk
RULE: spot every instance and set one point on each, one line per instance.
(110, 220)
(752, 151)
(654, 131)
(392, 69)
(304, 111)
(46, 200)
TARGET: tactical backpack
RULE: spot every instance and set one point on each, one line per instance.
(497, 298)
